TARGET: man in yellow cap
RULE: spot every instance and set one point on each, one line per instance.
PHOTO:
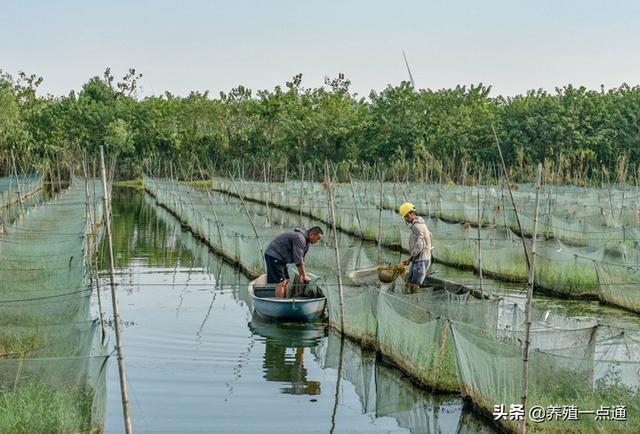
(419, 246)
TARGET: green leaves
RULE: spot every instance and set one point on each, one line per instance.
(448, 130)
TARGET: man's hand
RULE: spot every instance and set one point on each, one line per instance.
(406, 261)
(303, 274)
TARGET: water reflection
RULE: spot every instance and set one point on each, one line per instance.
(385, 392)
(195, 342)
(285, 351)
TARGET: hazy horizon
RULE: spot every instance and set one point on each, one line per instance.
(200, 45)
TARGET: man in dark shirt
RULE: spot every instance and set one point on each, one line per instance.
(289, 248)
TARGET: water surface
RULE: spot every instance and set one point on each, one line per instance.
(198, 361)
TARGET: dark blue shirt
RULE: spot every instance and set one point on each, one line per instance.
(289, 247)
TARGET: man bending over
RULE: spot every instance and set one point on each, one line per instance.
(289, 248)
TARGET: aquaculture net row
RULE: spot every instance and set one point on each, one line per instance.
(14, 201)
(52, 369)
(12, 188)
(575, 257)
(224, 223)
(450, 342)
(444, 341)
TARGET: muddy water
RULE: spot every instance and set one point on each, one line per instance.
(198, 361)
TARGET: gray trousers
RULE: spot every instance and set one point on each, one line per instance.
(418, 272)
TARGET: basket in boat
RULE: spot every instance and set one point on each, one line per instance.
(389, 273)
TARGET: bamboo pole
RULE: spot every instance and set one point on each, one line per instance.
(15, 173)
(380, 216)
(513, 202)
(301, 199)
(270, 177)
(479, 239)
(213, 208)
(93, 250)
(404, 195)
(94, 174)
(246, 210)
(336, 398)
(355, 204)
(58, 172)
(329, 186)
(529, 307)
(366, 188)
(638, 184)
(267, 194)
(114, 300)
(395, 196)
(286, 177)
(503, 204)
(19, 370)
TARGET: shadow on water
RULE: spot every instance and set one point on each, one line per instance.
(199, 360)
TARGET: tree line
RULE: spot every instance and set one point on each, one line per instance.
(580, 135)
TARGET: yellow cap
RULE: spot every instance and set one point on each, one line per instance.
(406, 208)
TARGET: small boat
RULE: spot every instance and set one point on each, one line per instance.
(369, 277)
(283, 309)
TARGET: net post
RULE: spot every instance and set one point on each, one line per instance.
(114, 300)
(529, 307)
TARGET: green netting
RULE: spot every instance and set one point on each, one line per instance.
(13, 189)
(72, 307)
(581, 217)
(619, 285)
(358, 367)
(505, 259)
(53, 394)
(50, 340)
(491, 372)
(52, 366)
(417, 341)
(360, 306)
(383, 393)
(455, 244)
(444, 340)
(567, 271)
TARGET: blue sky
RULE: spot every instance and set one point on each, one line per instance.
(214, 45)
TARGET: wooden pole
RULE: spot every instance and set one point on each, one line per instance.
(301, 199)
(503, 205)
(513, 202)
(266, 192)
(15, 173)
(380, 215)
(58, 172)
(366, 189)
(355, 204)
(93, 247)
(114, 300)
(479, 239)
(213, 208)
(529, 307)
(332, 216)
(336, 398)
(246, 210)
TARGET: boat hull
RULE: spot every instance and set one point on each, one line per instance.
(285, 309)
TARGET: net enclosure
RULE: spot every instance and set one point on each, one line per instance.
(52, 364)
(581, 231)
(446, 341)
